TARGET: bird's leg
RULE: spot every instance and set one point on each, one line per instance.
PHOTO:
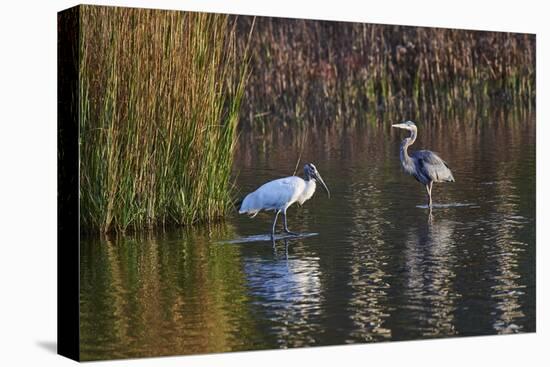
(429, 189)
(274, 223)
(286, 227)
(431, 184)
(428, 192)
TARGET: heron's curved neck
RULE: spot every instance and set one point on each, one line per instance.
(405, 145)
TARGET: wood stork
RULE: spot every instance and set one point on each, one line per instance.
(424, 165)
(279, 194)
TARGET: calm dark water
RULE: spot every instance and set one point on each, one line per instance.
(379, 270)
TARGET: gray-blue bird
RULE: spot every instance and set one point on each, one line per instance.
(424, 165)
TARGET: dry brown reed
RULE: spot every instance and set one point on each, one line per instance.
(308, 72)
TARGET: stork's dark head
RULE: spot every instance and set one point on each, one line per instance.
(311, 173)
(407, 125)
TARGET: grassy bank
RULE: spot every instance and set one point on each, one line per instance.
(313, 72)
(160, 93)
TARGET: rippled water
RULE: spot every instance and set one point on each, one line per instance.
(378, 269)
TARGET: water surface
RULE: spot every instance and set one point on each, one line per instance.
(378, 270)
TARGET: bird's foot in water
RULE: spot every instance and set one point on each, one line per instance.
(274, 236)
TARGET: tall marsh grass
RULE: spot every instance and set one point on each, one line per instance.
(160, 93)
(309, 72)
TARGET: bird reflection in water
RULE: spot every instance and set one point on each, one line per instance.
(430, 261)
(287, 291)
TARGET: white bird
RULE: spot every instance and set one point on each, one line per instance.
(279, 194)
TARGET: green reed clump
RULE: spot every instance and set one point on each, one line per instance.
(306, 70)
(160, 93)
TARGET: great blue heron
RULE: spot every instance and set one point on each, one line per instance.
(279, 194)
(424, 165)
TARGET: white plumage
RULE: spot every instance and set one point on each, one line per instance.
(280, 194)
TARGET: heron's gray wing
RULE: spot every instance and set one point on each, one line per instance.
(432, 166)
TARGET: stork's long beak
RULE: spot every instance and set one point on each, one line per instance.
(320, 179)
(400, 126)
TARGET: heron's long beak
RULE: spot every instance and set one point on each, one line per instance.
(320, 179)
(400, 126)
